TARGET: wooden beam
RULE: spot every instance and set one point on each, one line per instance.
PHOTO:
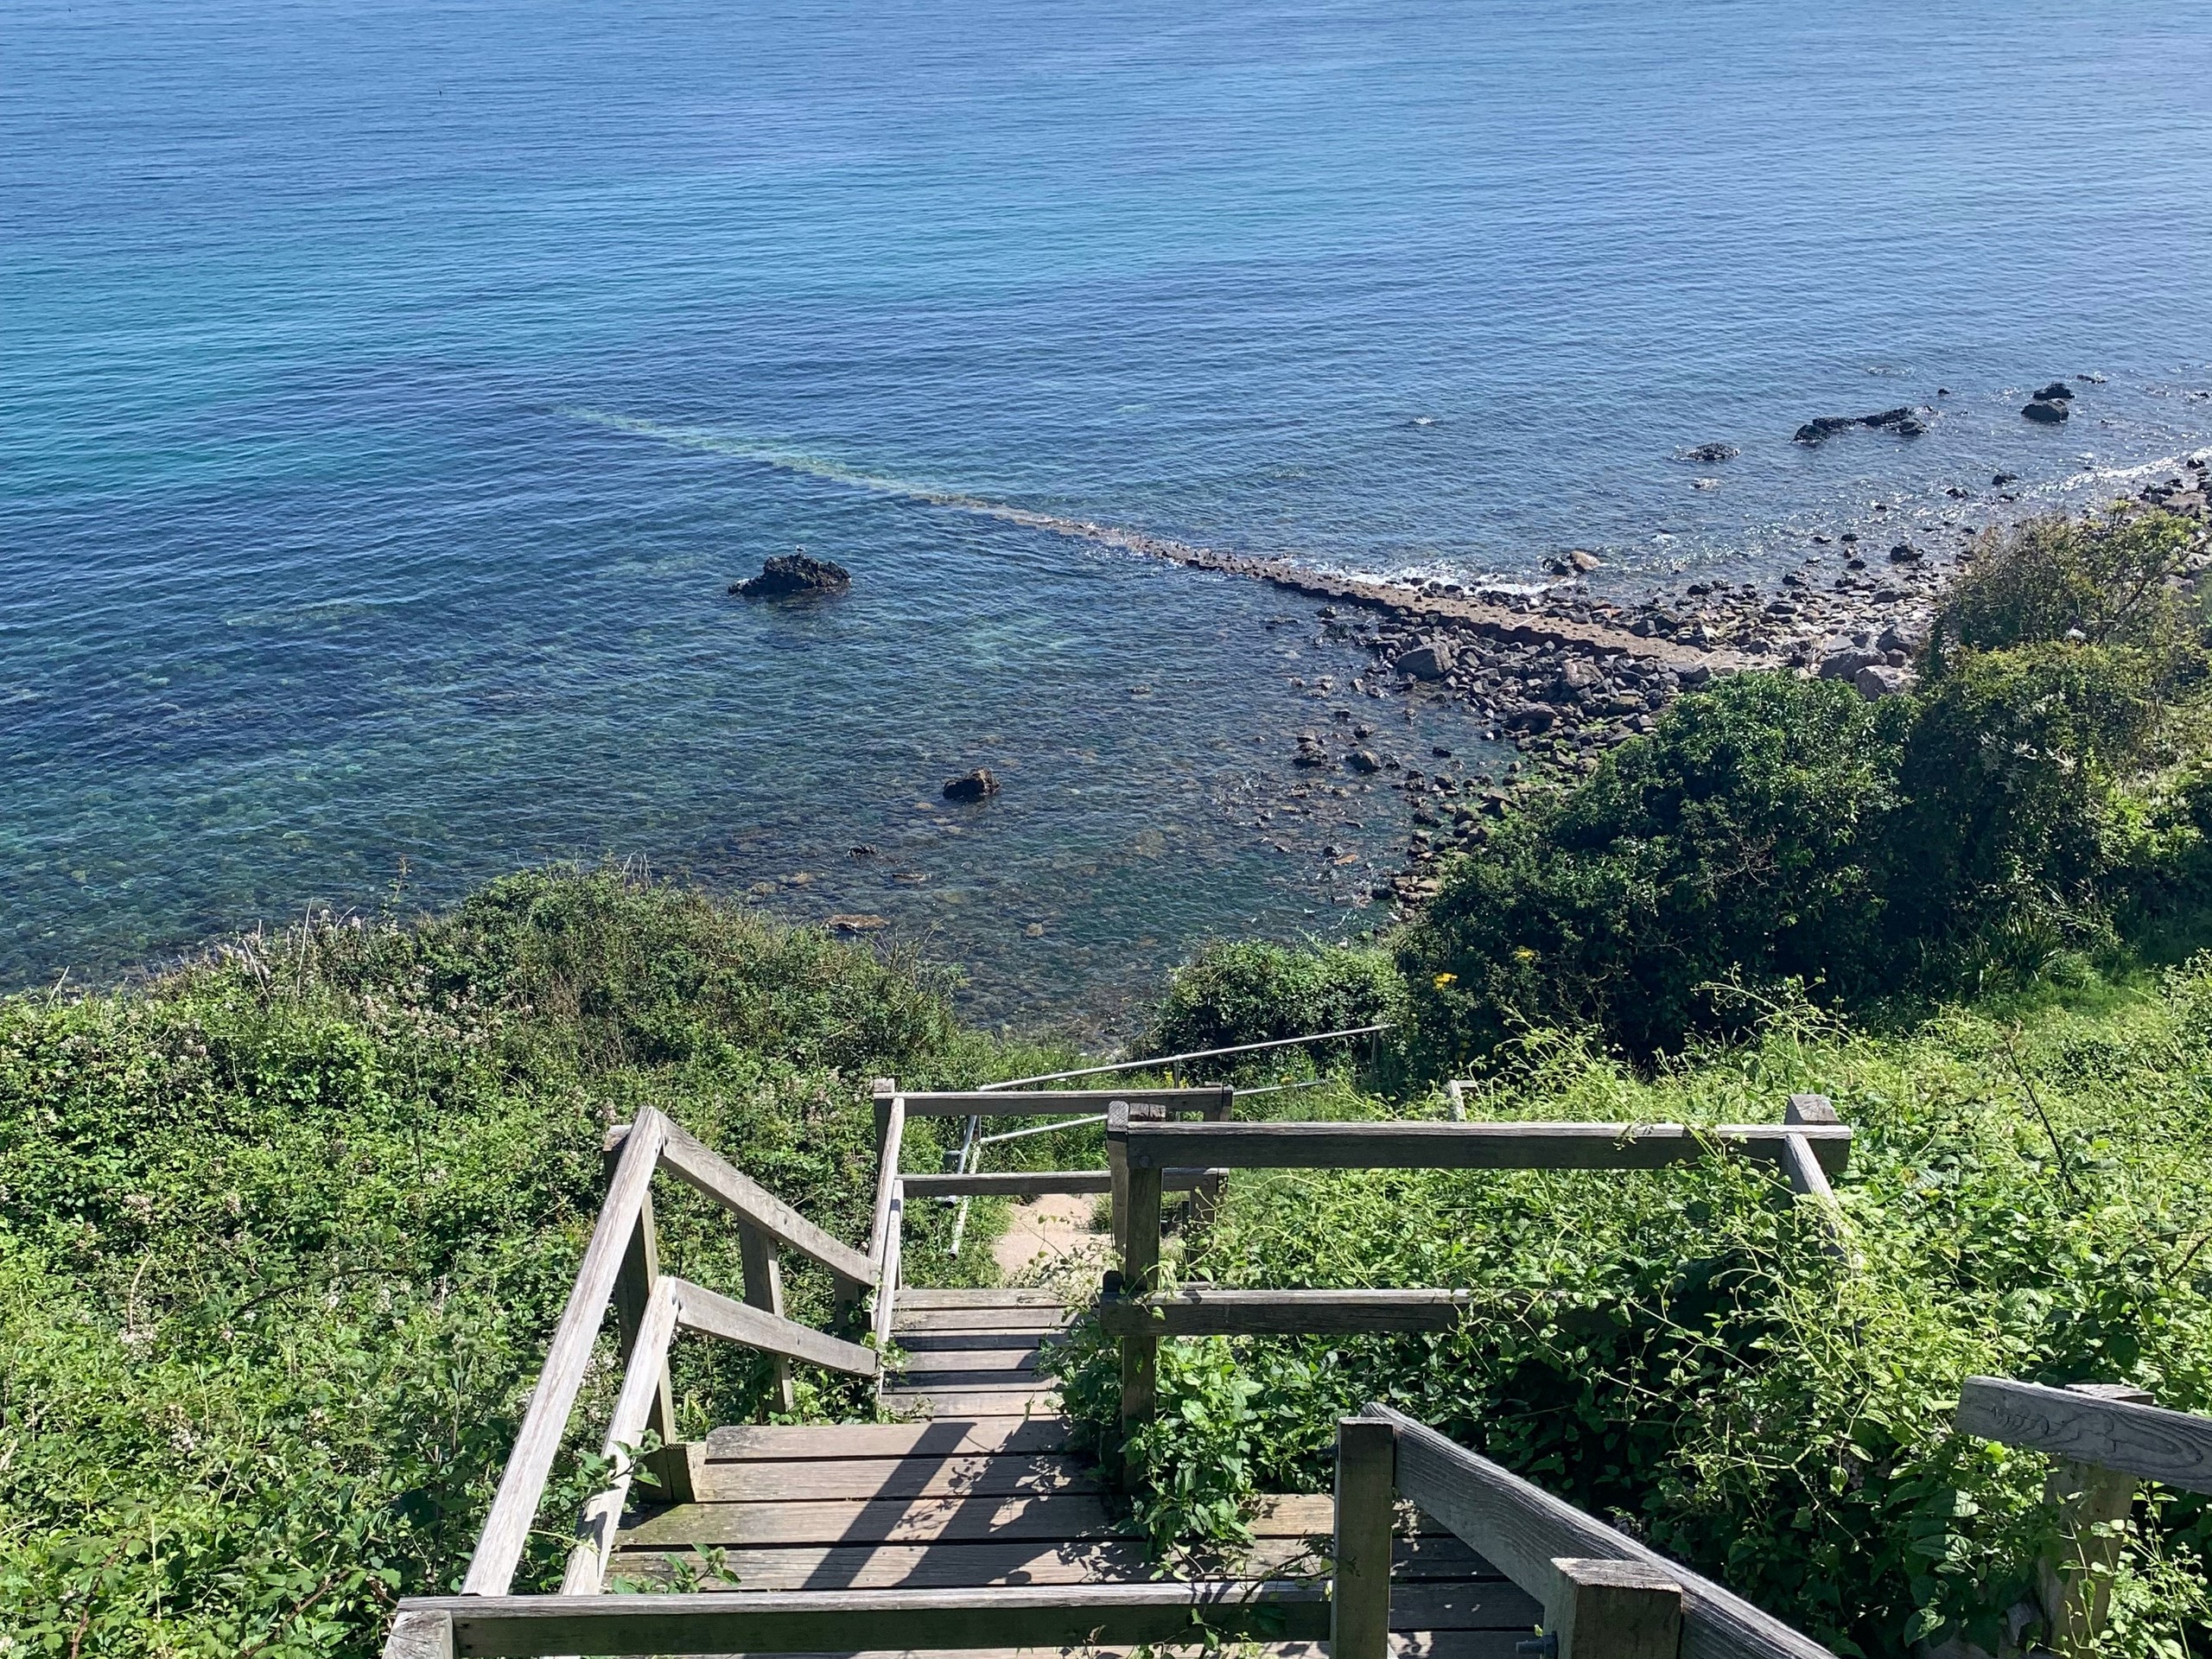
(1366, 1509)
(634, 1292)
(890, 1212)
(1195, 1311)
(700, 1309)
(1524, 1529)
(420, 1636)
(545, 1425)
(1403, 1145)
(1614, 1609)
(1140, 1234)
(699, 1167)
(642, 1385)
(763, 1289)
(841, 1621)
(2146, 1441)
(1054, 1103)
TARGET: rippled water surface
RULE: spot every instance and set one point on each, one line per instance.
(389, 391)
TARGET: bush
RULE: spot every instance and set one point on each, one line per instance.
(282, 1238)
(1680, 1352)
(1741, 841)
(1253, 992)
(2114, 580)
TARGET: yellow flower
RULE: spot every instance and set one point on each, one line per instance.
(1442, 980)
(1522, 953)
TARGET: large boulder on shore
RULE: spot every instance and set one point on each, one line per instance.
(790, 573)
(1426, 662)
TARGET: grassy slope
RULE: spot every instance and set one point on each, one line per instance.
(1680, 1350)
(281, 1237)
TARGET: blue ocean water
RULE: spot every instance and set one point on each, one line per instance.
(390, 389)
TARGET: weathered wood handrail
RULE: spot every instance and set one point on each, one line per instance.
(2103, 1437)
(847, 1621)
(2088, 1424)
(1400, 1145)
(883, 1246)
(620, 1265)
(506, 1529)
(1535, 1539)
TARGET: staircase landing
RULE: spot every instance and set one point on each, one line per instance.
(983, 1488)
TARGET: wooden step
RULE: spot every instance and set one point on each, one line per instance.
(944, 1437)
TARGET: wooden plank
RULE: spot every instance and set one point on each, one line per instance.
(1366, 1504)
(923, 1366)
(633, 1291)
(763, 1289)
(900, 1477)
(1524, 1529)
(1425, 1644)
(883, 1236)
(643, 1383)
(948, 1321)
(829, 1621)
(977, 1342)
(700, 1309)
(920, 1298)
(1199, 1312)
(949, 1439)
(974, 1402)
(545, 1425)
(1415, 1563)
(699, 1167)
(2146, 1441)
(1140, 1270)
(887, 1520)
(1467, 1146)
(1054, 1103)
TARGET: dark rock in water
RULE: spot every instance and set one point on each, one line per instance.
(1709, 453)
(865, 849)
(1904, 553)
(975, 786)
(1363, 761)
(1998, 480)
(2048, 411)
(2057, 390)
(1904, 422)
(789, 573)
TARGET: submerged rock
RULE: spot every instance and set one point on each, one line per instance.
(791, 574)
(2048, 411)
(2058, 390)
(1709, 453)
(972, 787)
(1903, 421)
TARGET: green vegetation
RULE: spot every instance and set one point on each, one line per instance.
(282, 1238)
(1680, 1351)
(1684, 937)
(282, 1235)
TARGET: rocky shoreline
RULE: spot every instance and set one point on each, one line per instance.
(1564, 675)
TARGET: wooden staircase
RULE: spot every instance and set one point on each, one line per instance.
(971, 1523)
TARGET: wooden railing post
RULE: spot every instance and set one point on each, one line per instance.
(890, 1211)
(763, 1289)
(1808, 1180)
(1140, 1273)
(1613, 1610)
(1367, 1492)
(882, 1092)
(633, 1294)
(2074, 1578)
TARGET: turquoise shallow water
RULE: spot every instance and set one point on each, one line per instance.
(388, 390)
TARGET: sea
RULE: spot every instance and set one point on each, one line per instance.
(391, 391)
